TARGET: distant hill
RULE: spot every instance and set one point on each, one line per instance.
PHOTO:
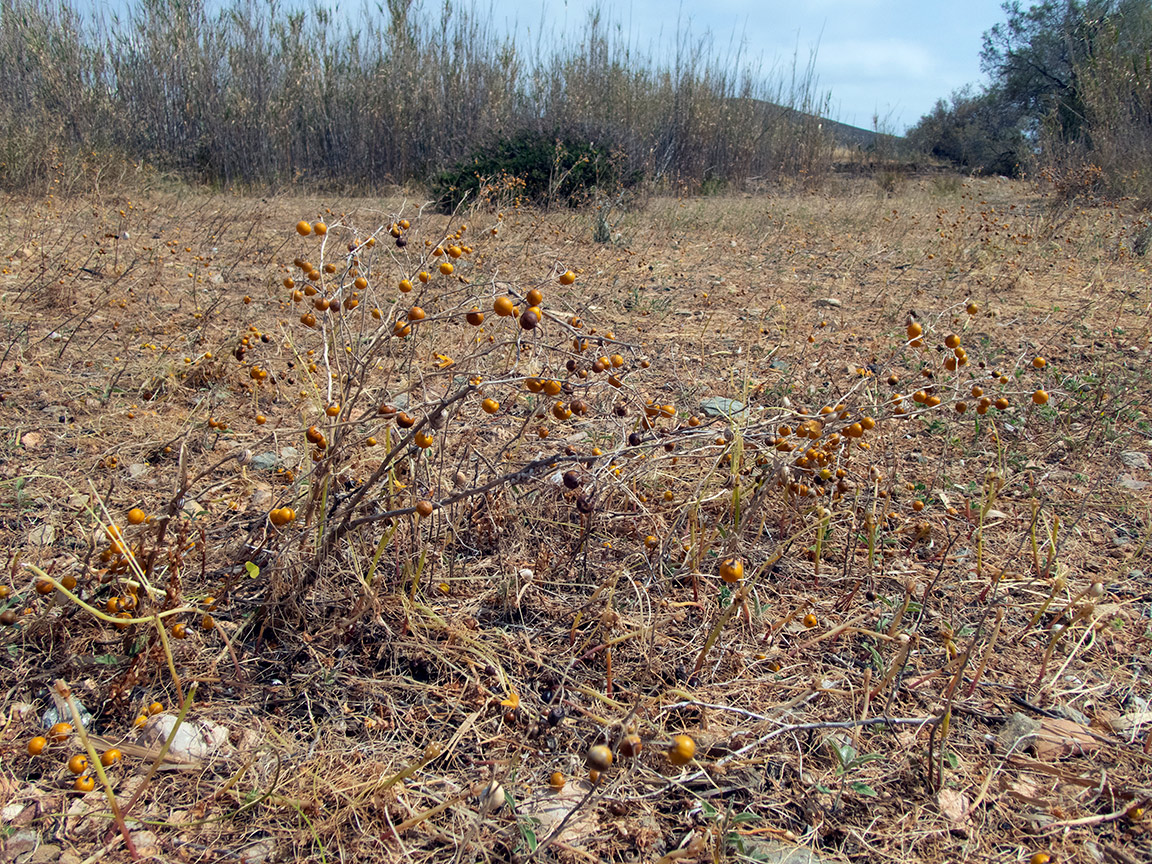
(842, 134)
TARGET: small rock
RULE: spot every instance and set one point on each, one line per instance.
(137, 470)
(194, 741)
(20, 843)
(54, 715)
(22, 253)
(1018, 733)
(42, 854)
(719, 406)
(42, 535)
(775, 852)
(147, 844)
(260, 499)
(1059, 738)
(269, 461)
(955, 805)
(829, 303)
(258, 852)
(192, 507)
(1124, 481)
(1135, 460)
(32, 440)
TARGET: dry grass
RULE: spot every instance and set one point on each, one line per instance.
(377, 673)
(253, 94)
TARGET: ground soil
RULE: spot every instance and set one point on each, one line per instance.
(939, 652)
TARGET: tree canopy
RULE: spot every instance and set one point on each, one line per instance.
(1046, 65)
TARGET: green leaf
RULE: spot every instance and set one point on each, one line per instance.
(953, 762)
(107, 659)
(253, 570)
(864, 789)
(823, 789)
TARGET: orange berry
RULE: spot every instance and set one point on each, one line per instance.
(682, 751)
(504, 307)
(136, 516)
(446, 268)
(303, 228)
(60, 731)
(732, 570)
(78, 764)
(567, 277)
(1040, 397)
(1039, 362)
(36, 745)
(110, 757)
(600, 757)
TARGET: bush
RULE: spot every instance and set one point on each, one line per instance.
(543, 169)
(978, 132)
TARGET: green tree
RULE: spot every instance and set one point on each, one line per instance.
(1047, 66)
(979, 131)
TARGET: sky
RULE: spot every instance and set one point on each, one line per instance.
(888, 58)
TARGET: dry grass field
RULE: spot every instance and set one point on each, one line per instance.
(849, 487)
